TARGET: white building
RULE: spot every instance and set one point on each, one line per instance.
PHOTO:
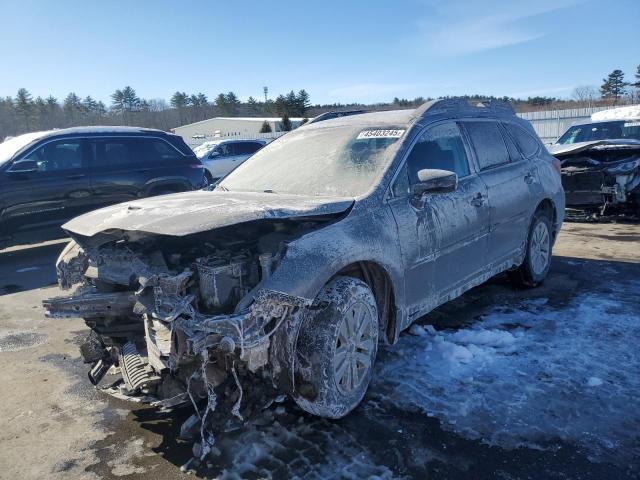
(242, 127)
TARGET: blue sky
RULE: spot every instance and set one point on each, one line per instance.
(339, 51)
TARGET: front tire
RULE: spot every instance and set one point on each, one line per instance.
(337, 348)
(535, 267)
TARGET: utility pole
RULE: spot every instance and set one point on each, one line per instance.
(265, 90)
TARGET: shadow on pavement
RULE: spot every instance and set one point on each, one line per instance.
(29, 268)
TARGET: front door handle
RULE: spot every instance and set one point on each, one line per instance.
(528, 178)
(76, 176)
(478, 200)
(142, 170)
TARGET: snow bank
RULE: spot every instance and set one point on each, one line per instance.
(620, 113)
(529, 375)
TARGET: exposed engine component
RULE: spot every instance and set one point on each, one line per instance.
(225, 279)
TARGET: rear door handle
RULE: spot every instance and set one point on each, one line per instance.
(76, 176)
(528, 178)
(478, 200)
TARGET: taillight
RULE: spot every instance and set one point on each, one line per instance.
(557, 165)
(196, 165)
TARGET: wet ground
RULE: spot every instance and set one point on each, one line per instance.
(501, 383)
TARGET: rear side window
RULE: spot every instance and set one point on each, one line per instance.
(527, 144)
(153, 150)
(247, 148)
(112, 152)
(488, 143)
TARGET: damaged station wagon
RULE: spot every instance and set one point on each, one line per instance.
(284, 278)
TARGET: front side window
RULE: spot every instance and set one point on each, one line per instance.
(440, 147)
(342, 161)
(226, 150)
(488, 143)
(57, 156)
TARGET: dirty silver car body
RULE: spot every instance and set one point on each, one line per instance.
(284, 278)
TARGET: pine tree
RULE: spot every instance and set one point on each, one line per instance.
(253, 104)
(221, 103)
(637, 75)
(125, 102)
(72, 107)
(285, 123)
(613, 86)
(265, 128)
(232, 103)
(89, 105)
(303, 102)
(179, 101)
(203, 101)
(24, 107)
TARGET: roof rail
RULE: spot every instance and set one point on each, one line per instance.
(460, 104)
(330, 115)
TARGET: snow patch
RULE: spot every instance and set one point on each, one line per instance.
(525, 376)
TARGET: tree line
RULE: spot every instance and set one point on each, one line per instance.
(23, 113)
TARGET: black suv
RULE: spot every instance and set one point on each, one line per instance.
(47, 178)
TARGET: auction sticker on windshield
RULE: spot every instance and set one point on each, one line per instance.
(380, 134)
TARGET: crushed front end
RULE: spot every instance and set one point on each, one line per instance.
(185, 320)
(603, 178)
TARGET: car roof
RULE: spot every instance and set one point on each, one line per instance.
(450, 107)
(102, 130)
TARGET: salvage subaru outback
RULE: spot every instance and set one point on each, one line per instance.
(285, 277)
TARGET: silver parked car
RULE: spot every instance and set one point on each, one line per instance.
(221, 156)
(334, 237)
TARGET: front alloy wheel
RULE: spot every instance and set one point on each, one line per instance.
(336, 348)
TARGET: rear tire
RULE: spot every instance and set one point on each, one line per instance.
(535, 267)
(209, 181)
(337, 348)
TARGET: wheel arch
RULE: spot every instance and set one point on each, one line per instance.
(548, 206)
(379, 281)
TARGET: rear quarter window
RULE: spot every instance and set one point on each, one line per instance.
(526, 142)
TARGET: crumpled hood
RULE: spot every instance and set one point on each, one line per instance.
(560, 150)
(192, 212)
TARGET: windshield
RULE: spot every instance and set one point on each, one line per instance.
(601, 131)
(330, 161)
(204, 149)
(11, 146)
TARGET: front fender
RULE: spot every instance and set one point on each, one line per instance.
(313, 259)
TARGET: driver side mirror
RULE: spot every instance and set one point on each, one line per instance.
(24, 166)
(214, 154)
(434, 181)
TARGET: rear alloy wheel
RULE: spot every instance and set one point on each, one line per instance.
(336, 349)
(537, 260)
(208, 179)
